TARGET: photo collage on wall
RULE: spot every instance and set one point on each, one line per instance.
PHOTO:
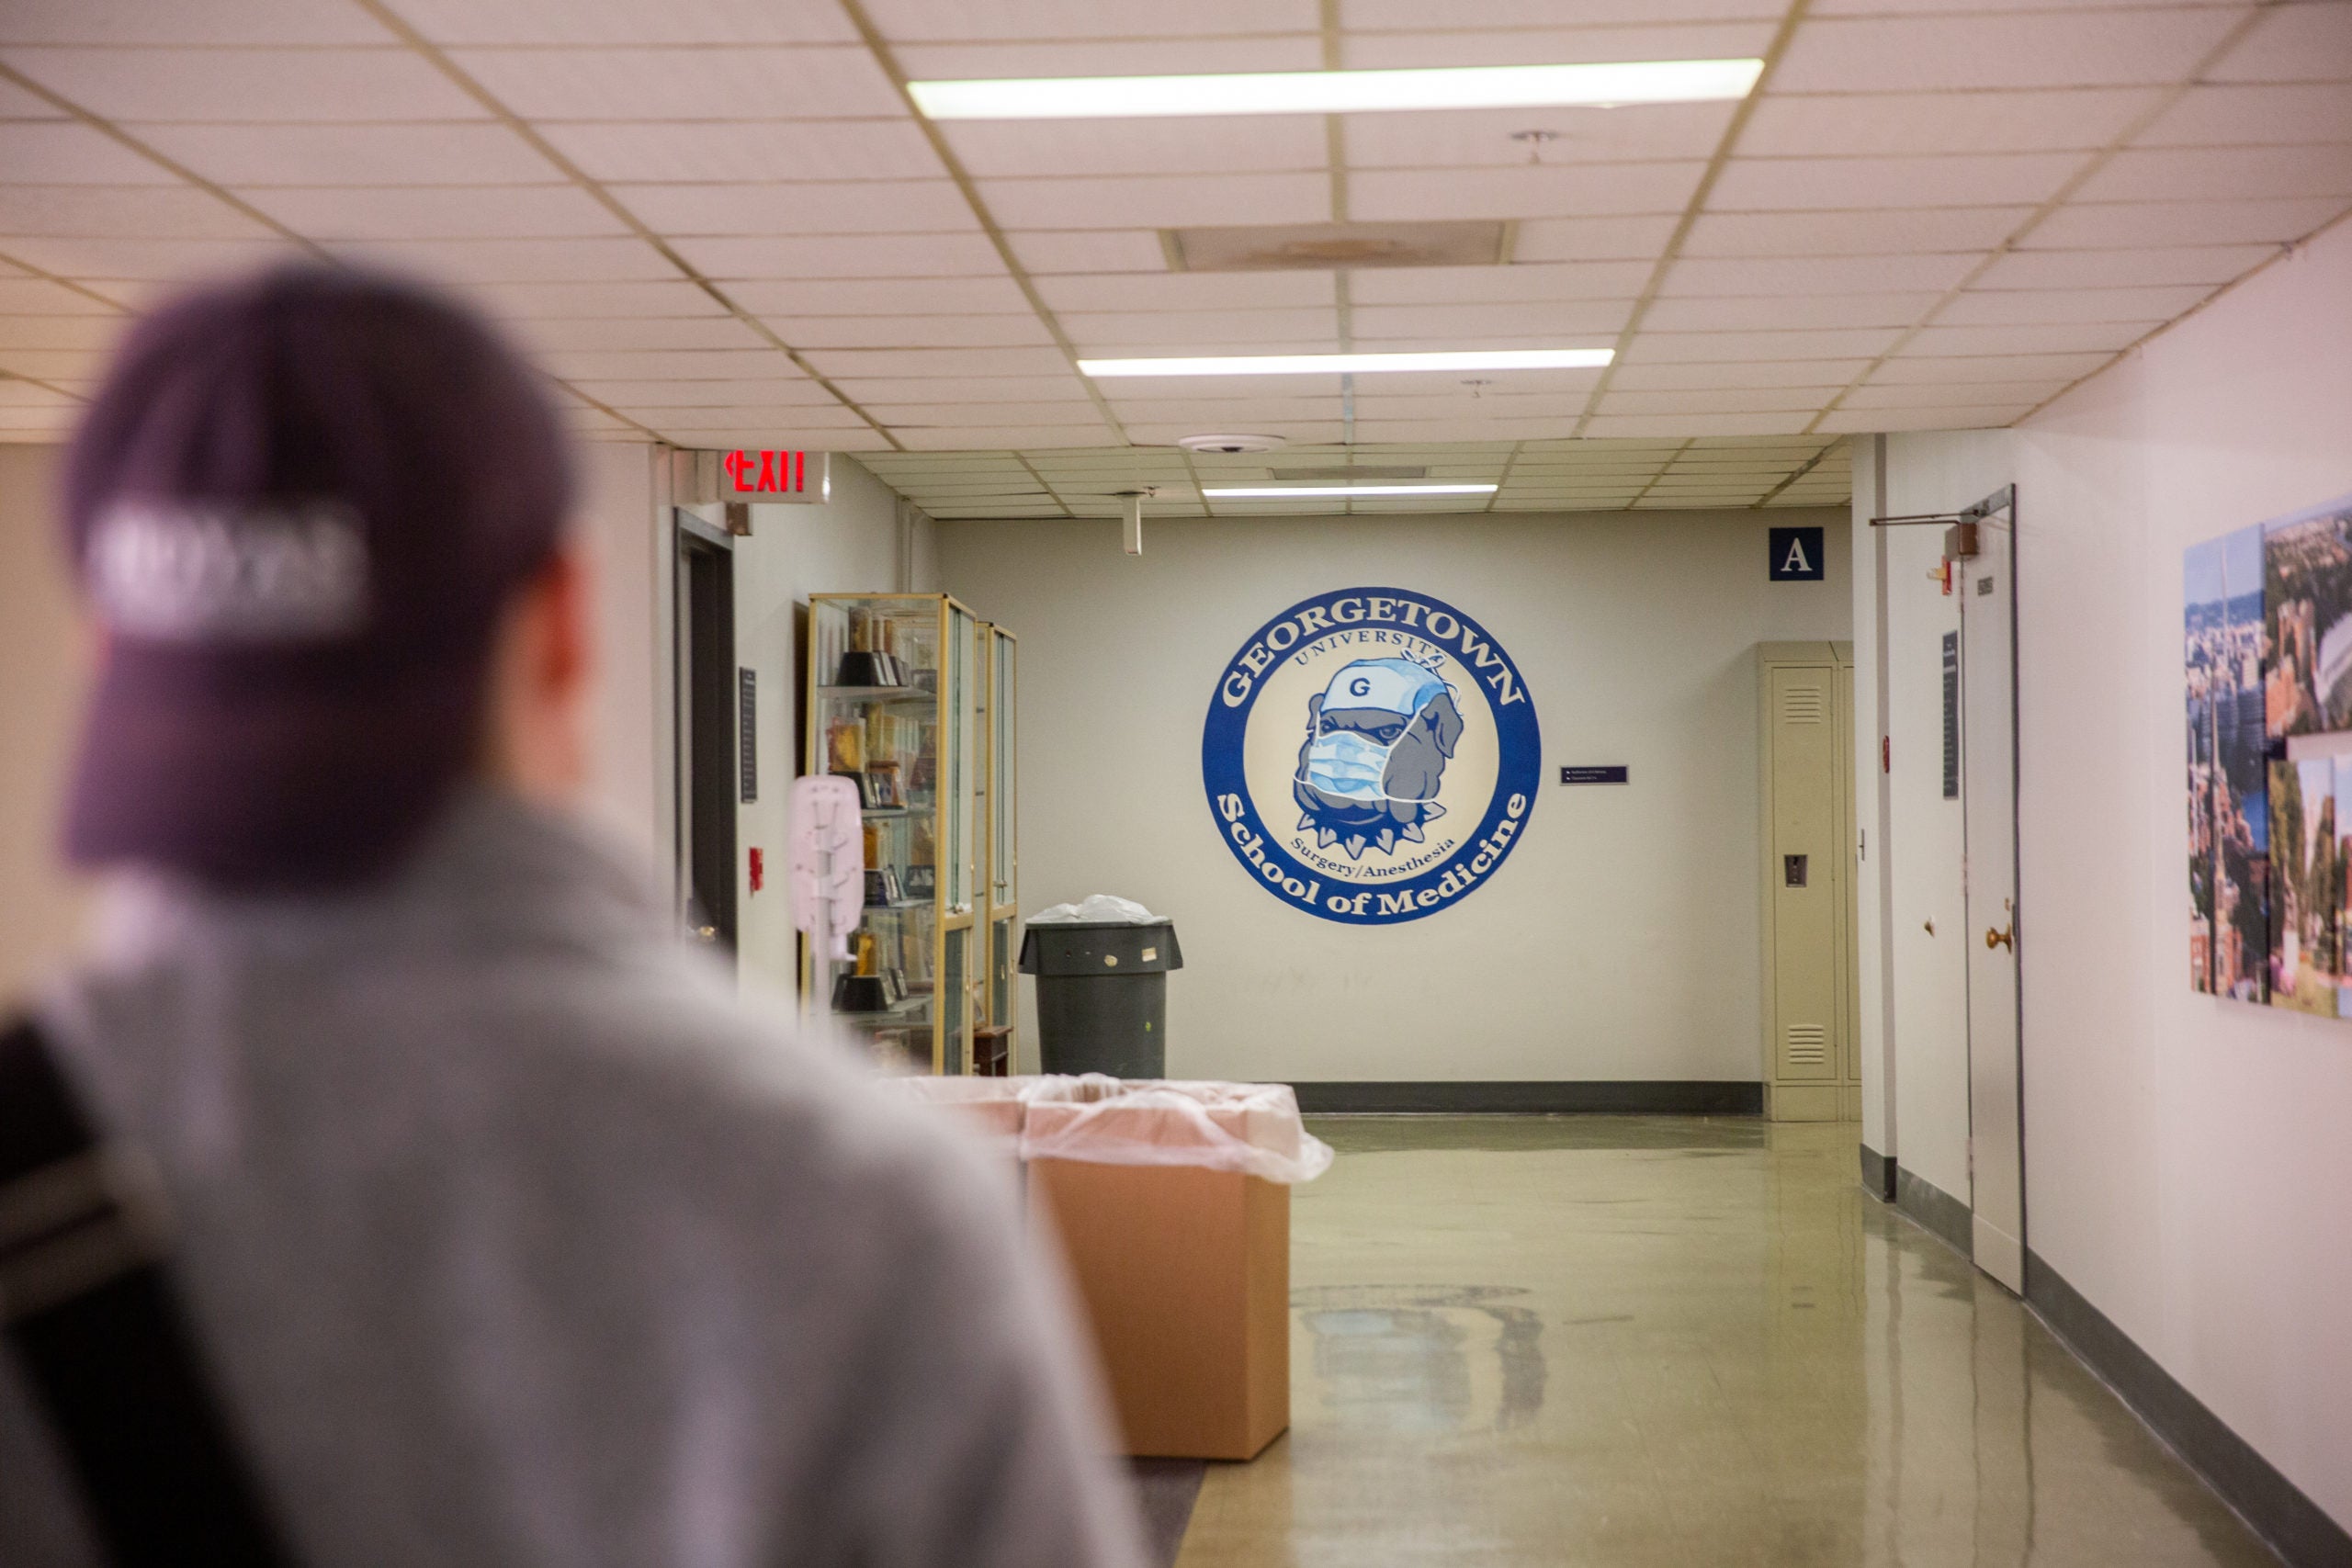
(2268, 667)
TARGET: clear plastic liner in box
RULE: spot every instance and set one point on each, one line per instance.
(1095, 1119)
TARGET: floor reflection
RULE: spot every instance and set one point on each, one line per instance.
(1650, 1341)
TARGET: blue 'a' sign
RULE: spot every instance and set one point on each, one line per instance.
(1371, 755)
(1797, 555)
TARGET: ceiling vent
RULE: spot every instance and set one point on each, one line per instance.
(1332, 247)
(1344, 476)
(1229, 444)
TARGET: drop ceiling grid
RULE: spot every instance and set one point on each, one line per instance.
(795, 181)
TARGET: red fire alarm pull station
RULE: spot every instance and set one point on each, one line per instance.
(759, 869)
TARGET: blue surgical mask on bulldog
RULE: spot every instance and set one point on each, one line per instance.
(1350, 765)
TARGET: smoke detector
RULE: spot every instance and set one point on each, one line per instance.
(1230, 444)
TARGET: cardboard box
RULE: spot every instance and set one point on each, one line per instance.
(1185, 1276)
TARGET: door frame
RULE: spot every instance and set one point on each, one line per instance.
(695, 539)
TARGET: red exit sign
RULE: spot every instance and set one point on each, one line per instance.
(768, 473)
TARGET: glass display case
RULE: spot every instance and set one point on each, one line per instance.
(1000, 862)
(895, 684)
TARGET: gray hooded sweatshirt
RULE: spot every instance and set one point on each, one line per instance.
(512, 1238)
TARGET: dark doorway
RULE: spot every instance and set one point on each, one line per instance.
(707, 730)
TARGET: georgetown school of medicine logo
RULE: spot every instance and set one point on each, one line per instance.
(1371, 754)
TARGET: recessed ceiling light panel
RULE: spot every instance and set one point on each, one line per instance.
(1338, 91)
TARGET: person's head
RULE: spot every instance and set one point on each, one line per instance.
(318, 517)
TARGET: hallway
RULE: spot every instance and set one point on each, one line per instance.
(1637, 1341)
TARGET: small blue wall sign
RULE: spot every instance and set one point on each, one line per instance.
(1797, 554)
(1371, 755)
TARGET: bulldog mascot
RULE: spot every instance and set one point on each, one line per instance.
(1377, 740)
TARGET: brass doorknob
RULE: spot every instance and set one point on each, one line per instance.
(2008, 939)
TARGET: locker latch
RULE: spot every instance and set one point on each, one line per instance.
(1793, 871)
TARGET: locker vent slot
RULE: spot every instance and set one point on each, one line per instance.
(1808, 1046)
(1804, 704)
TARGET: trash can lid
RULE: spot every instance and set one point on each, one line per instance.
(1100, 947)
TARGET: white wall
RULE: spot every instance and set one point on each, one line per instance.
(1618, 941)
(41, 649)
(849, 545)
(2187, 1163)
(621, 488)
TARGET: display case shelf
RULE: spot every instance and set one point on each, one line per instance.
(914, 752)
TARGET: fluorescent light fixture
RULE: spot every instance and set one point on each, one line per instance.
(1355, 364)
(1338, 91)
(1348, 490)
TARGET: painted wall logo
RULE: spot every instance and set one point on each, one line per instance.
(1371, 754)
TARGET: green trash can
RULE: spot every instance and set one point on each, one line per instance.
(1101, 995)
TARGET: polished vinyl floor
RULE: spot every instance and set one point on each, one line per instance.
(1636, 1340)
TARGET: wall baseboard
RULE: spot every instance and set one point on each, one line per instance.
(1939, 1213)
(2296, 1527)
(1661, 1098)
(1878, 1174)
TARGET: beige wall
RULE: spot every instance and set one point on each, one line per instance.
(2188, 1167)
(40, 682)
(1620, 939)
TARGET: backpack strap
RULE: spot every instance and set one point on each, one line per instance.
(90, 1315)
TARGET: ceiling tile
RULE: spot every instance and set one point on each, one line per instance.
(1188, 290)
(912, 332)
(248, 85)
(96, 334)
(520, 261)
(791, 388)
(1988, 367)
(1520, 282)
(1698, 424)
(142, 22)
(1782, 185)
(1587, 321)
(802, 416)
(1524, 192)
(2172, 174)
(843, 256)
(742, 83)
(2043, 337)
(950, 438)
(2160, 224)
(649, 301)
(2123, 269)
(2008, 307)
(1757, 313)
(997, 295)
(2026, 49)
(1411, 16)
(747, 150)
(1485, 138)
(52, 364)
(1883, 233)
(26, 394)
(1944, 394)
(626, 22)
(49, 152)
(843, 207)
(1900, 124)
(2308, 43)
(909, 20)
(1554, 44)
(1225, 413)
(1180, 56)
(16, 103)
(1216, 144)
(145, 260)
(594, 365)
(1831, 373)
(944, 362)
(1702, 348)
(1229, 344)
(39, 296)
(442, 154)
(1827, 274)
(1162, 202)
(1064, 412)
(170, 212)
(963, 389)
(1951, 417)
(439, 213)
(1088, 249)
(1592, 239)
(1718, 400)
(1179, 329)
(659, 333)
(2216, 115)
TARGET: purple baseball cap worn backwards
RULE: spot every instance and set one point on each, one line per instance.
(298, 507)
